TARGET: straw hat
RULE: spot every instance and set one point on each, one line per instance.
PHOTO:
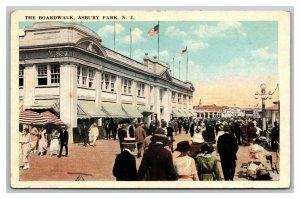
(129, 140)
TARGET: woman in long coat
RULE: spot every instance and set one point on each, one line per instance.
(207, 164)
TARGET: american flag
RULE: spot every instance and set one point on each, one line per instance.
(154, 30)
(183, 51)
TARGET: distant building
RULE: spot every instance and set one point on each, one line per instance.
(65, 68)
(209, 111)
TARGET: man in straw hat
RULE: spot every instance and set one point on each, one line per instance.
(125, 165)
(157, 162)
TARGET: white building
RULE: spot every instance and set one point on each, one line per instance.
(64, 67)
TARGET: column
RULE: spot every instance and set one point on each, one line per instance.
(157, 102)
(167, 102)
(68, 96)
(134, 92)
(29, 85)
(118, 86)
(97, 79)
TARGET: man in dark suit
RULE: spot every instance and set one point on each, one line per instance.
(85, 134)
(64, 138)
(157, 162)
(122, 134)
(227, 148)
(125, 164)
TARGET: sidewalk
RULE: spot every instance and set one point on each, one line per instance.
(96, 163)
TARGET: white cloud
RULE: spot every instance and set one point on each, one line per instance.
(221, 29)
(172, 31)
(263, 53)
(137, 36)
(109, 29)
(195, 45)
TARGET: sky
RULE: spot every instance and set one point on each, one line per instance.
(227, 60)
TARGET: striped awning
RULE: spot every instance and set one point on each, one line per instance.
(31, 117)
(113, 110)
(131, 111)
(51, 118)
(183, 113)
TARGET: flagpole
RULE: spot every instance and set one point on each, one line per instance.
(114, 35)
(187, 64)
(179, 70)
(130, 42)
(158, 41)
(173, 67)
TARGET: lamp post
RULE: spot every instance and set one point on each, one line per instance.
(264, 96)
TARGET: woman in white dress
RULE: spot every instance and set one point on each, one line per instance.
(54, 144)
(25, 141)
(42, 143)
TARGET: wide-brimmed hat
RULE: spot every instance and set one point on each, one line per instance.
(159, 132)
(198, 138)
(183, 146)
(221, 127)
(129, 141)
(207, 148)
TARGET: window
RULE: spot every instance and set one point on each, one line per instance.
(48, 74)
(91, 77)
(140, 89)
(54, 73)
(184, 99)
(173, 96)
(127, 83)
(42, 74)
(108, 82)
(21, 75)
(78, 75)
(84, 76)
(112, 83)
(190, 100)
(179, 99)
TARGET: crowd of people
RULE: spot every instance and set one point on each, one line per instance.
(42, 141)
(192, 160)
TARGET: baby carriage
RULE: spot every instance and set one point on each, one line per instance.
(259, 159)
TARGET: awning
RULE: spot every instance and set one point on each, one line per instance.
(193, 113)
(176, 113)
(45, 105)
(88, 109)
(113, 110)
(31, 117)
(183, 113)
(131, 111)
(144, 111)
(51, 118)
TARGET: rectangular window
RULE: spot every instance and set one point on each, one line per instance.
(112, 83)
(106, 78)
(179, 99)
(54, 73)
(184, 99)
(84, 76)
(42, 74)
(140, 89)
(78, 74)
(91, 77)
(173, 96)
(21, 75)
(127, 84)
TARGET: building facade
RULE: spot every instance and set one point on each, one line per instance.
(66, 68)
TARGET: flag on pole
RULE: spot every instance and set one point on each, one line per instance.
(154, 30)
(183, 51)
